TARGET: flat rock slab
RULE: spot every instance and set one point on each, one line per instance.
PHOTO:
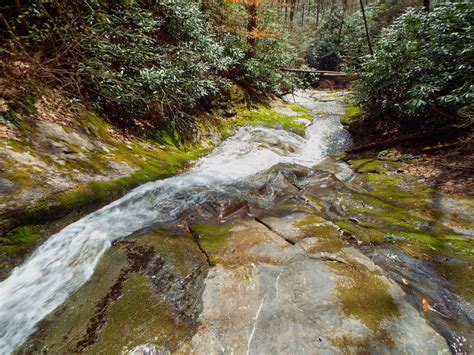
(277, 298)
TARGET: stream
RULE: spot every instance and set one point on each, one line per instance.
(67, 259)
(302, 253)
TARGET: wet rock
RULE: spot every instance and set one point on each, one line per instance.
(267, 295)
(144, 298)
(50, 129)
(450, 315)
(149, 349)
(182, 293)
(120, 168)
(264, 265)
(7, 186)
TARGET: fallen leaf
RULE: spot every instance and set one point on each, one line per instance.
(426, 304)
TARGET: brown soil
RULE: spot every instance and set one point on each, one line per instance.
(444, 162)
(451, 171)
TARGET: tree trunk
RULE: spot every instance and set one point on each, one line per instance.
(292, 10)
(302, 14)
(367, 33)
(426, 5)
(318, 12)
(18, 6)
(251, 27)
(340, 28)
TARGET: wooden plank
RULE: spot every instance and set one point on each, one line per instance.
(328, 72)
(323, 73)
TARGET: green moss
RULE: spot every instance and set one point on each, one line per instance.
(362, 345)
(362, 233)
(213, 237)
(298, 108)
(18, 241)
(99, 192)
(364, 295)
(352, 115)
(180, 251)
(460, 275)
(328, 236)
(97, 126)
(21, 177)
(394, 190)
(139, 316)
(339, 156)
(394, 206)
(16, 145)
(434, 241)
(225, 129)
(268, 118)
(374, 165)
(168, 137)
(237, 95)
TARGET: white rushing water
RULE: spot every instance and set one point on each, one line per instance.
(67, 259)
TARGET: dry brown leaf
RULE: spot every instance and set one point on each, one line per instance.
(426, 304)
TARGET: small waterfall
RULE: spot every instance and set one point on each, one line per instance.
(67, 259)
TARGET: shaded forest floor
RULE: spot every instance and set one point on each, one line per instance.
(444, 161)
(449, 170)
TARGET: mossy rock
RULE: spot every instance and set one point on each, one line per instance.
(381, 208)
(120, 307)
(178, 250)
(326, 235)
(139, 316)
(374, 166)
(364, 295)
(263, 116)
(213, 237)
(352, 115)
(18, 241)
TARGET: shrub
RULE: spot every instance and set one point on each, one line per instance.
(325, 51)
(259, 72)
(340, 42)
(422, 71)
(161, 60)
(153, 60)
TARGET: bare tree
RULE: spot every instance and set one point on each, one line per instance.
(367, 33)
(318, 12)
(292, 10)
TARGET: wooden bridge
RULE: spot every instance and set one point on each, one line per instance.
(323, 74)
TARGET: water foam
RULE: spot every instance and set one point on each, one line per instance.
(67, 259)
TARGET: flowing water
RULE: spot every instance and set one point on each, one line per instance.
(67, 259)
